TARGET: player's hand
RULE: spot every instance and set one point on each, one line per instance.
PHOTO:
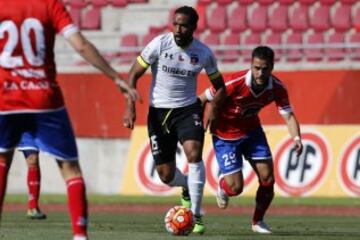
(298, 147)
(129, 92)
(130, 115)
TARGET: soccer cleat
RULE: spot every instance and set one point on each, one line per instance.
(80, 237)
(35, 214)
(261, 227)
(221, 198)
(199, 227)
(185, 198)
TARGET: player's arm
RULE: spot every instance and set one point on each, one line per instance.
(294, 130)
(136, 71)
(218, 84)
(89, 52)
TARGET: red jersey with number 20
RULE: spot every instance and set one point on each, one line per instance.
(239, 112)
(27, 66)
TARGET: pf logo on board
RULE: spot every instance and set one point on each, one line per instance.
(350, 167)
(299, 176)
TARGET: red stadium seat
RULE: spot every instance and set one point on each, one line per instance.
(92, 19)
(217, 19)
(245, 2)
(251, 41)
(294, 53)
(204, 2)
(213, 41)
(77, 3)
(348, 1)
(224, 2)
(307, 2)
(341, 19)
(231, 40)
(278, 19)
(320, 19)
(99, 3)
(335, 54)
(118, 3)
(314, 54)
(265, 2)
(128, 41)
(202, 23)
(258, 19)
(327, 2)
(75, 14)
(273, 40)
(237, 20)
(354, 53)
(286, 2)
(356, 19)
(298, 19)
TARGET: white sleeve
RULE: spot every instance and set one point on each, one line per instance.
(211, 65)
(152, 51)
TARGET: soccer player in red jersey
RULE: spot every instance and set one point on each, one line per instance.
(238, 132)
(31, 100)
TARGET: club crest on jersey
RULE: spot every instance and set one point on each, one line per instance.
(194, 59)
(181, 58)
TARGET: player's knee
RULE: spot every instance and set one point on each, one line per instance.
(237, 189)
(193, 156)
(165, 176)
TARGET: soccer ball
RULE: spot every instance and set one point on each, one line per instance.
(179, 220)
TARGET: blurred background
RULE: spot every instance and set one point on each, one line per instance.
(317, 45)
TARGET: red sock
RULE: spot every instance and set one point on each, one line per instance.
(77, 204)
(3, 181)
(226, 188)
(33, 181)
(264, 196)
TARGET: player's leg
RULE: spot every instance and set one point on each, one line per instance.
(5, 163)
(55, 136)
(260, 158)
(229, 159)
(33, 182)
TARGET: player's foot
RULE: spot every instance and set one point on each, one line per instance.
(261, 227)
(221, 198)
(199, 227)
(35, 214)
(185, 198)
(80, 237)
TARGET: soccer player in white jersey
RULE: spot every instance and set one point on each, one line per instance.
(31, 100)
(175, 114)
(238, 132)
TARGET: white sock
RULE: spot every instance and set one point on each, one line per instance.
(179, 180)
(196, 182)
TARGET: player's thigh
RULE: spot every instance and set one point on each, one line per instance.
(11, 128)
(228, 156)
(163, 142)
(55, 135)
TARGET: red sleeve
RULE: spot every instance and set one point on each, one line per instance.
(59, 15)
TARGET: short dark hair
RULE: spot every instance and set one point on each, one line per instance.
(189, 11)
(263, 52)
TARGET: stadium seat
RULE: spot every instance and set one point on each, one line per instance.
(237, 20)
(348, 1)
(217, 19)
(294, 53)
(298, 19)
(312, 40)
(273, 40)
(204, 2)
(99, 3)
(354, 53)
(128, 41)
(265, 2)
(213, 41)
(223, 2)
(231, 40)
(320, 19)
(245, 2)
(77, 3)
(75, 14)
(251, 41)
(327, 2)
(258, 19)
(118, 3)
(307, 2)
(285, 2)
(278, 19)
(335, 54)
(341, 19)
(202, 23)
(92, 19)
(356, 19)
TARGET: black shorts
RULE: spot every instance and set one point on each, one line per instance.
(168, 126)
